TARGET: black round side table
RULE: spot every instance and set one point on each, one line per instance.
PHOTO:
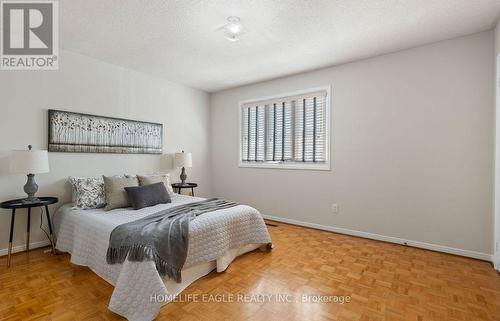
(180, 186)
(43, 202)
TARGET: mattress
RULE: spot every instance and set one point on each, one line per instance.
(215, 239)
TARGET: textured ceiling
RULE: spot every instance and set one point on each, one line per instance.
(181, 40)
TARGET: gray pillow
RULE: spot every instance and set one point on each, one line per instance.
(147, 195)
(114, 188)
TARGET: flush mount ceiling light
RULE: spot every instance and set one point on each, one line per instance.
(233, 29)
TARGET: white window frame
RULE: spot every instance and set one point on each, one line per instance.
(326, 166)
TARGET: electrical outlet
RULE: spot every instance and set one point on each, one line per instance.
(335, 208)
(496, 247)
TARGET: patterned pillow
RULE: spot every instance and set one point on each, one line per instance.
(88, 192)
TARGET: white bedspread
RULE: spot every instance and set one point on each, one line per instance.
(215, 239)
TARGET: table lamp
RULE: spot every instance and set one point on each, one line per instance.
(30, 162)
(183, 160)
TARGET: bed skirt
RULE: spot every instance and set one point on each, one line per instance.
(149, 297)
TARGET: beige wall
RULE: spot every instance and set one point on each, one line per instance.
(91, 86)
(497, 37)
(496, 82)
(411, 146)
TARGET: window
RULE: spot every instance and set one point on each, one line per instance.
(286, 131)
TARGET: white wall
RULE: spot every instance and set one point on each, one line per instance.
(91, 86)
(496, 82)
(411, 147)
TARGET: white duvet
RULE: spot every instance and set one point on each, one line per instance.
(215, 239)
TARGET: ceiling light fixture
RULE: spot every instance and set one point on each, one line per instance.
(233, 29)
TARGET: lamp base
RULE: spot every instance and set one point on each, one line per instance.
(183, 176)
(31, 188)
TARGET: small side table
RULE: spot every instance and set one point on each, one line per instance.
(180, 186)
(17, 204)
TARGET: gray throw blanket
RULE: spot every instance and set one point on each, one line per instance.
(162, 237)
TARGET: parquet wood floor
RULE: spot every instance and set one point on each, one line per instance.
(385, 281)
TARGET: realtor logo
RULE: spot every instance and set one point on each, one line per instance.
(29, 35)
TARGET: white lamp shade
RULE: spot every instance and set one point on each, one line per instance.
(183, 160)
(29, 161)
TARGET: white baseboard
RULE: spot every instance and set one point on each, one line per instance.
(391, 239)
(21, 248)
(496, 261)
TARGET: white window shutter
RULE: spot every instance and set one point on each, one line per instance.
(269, 132)
(288, 129)
(252, 130)
(244, 134)
(260, 133)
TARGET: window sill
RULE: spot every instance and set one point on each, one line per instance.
(278, 165)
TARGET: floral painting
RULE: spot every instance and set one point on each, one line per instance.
(81, 133)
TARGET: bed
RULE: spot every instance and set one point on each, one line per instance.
(215, 239)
